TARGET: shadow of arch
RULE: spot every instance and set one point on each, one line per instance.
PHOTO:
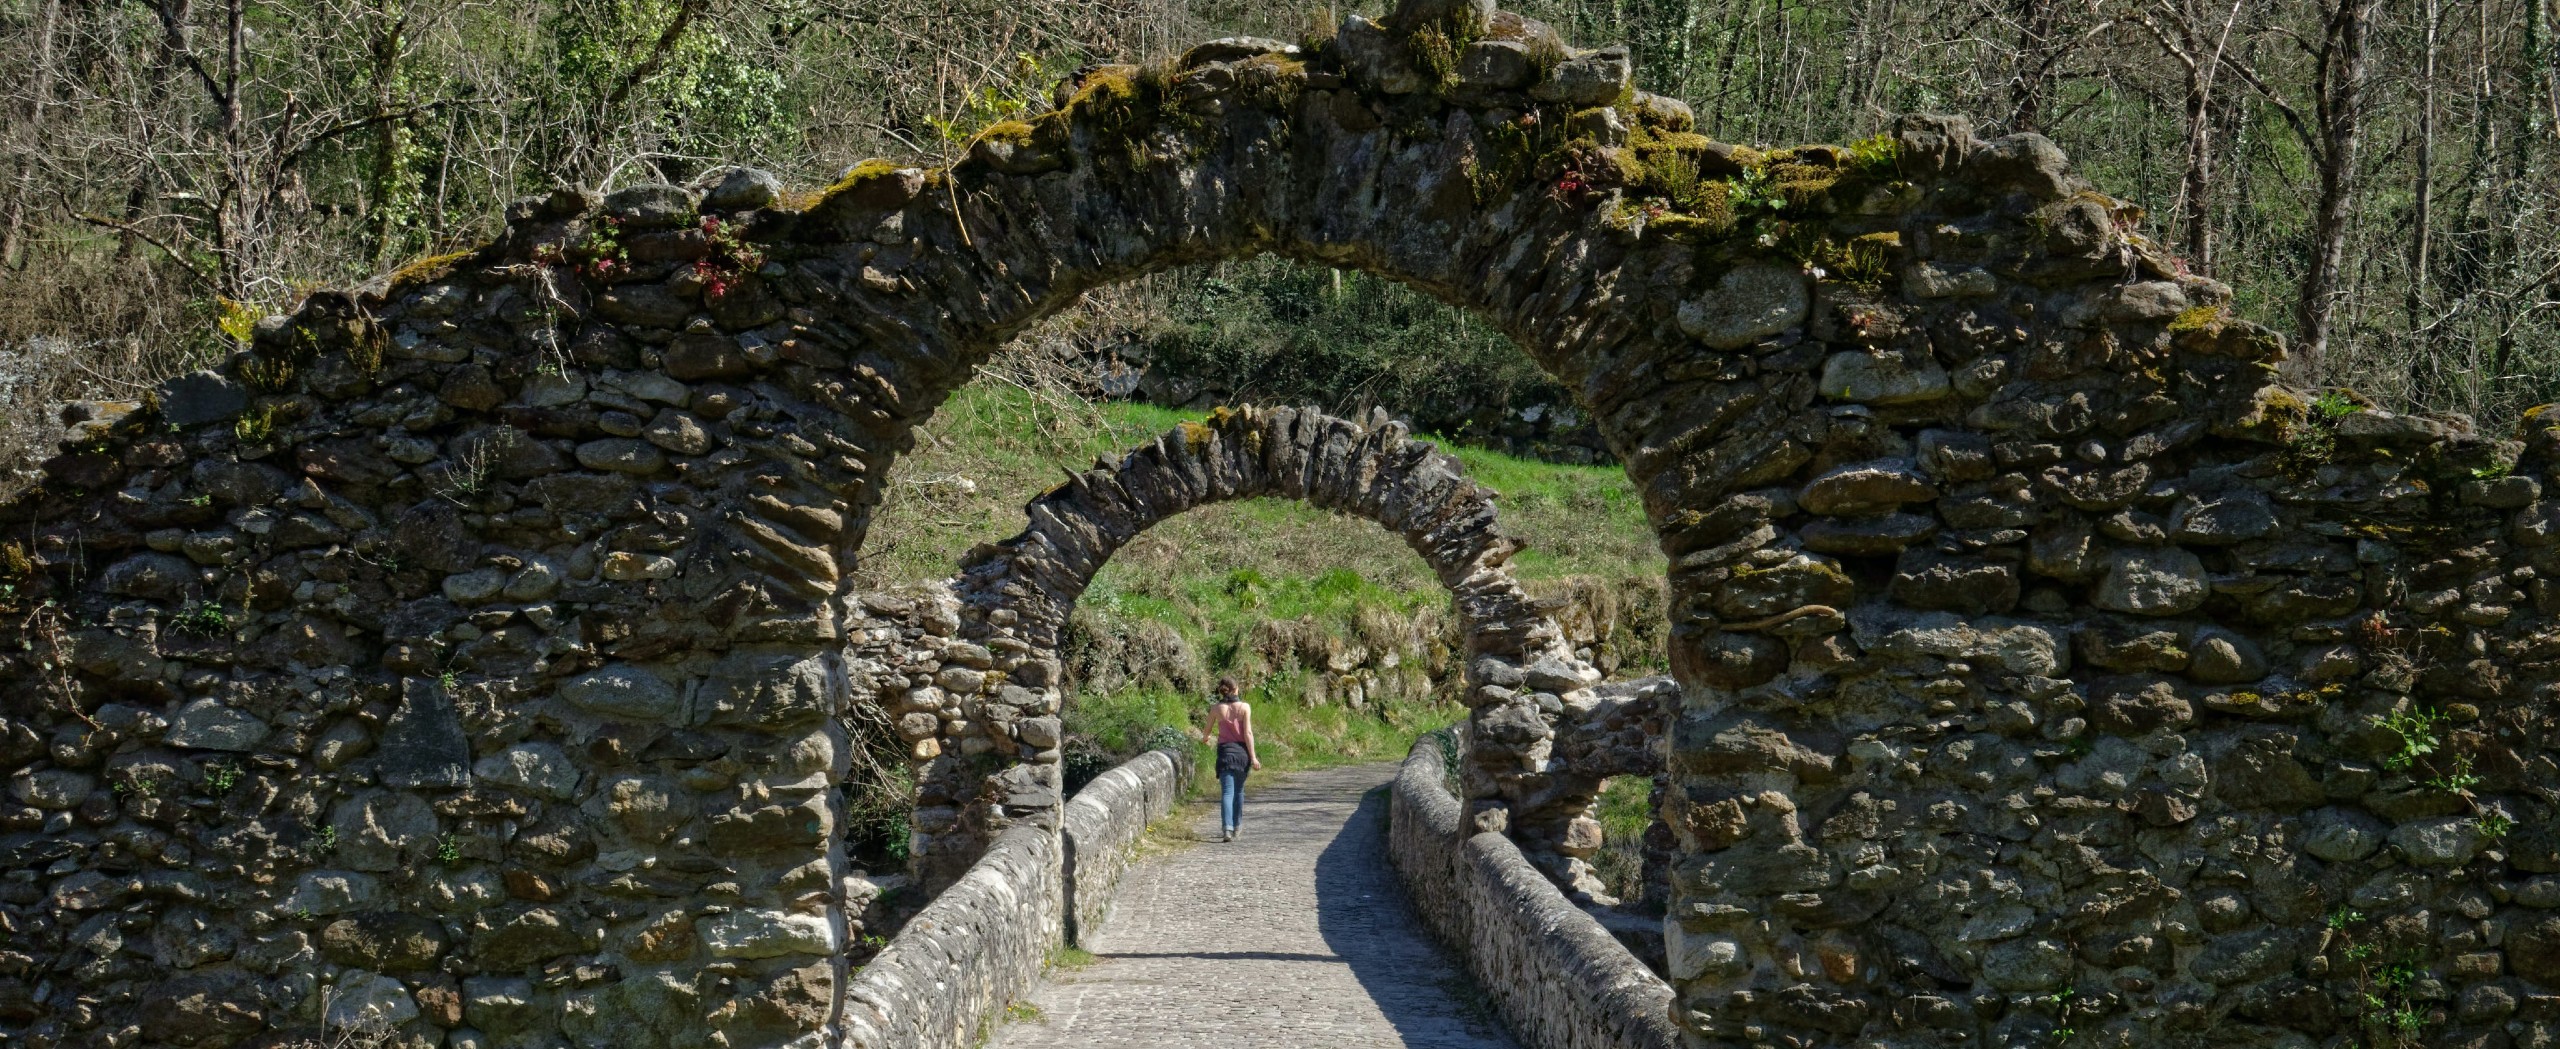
(1015, 598)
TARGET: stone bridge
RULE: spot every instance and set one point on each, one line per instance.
(464, 652)
(1015, 597)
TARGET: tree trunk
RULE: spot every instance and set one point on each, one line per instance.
(2038, 21)
(2422, 187)
(2199, 181)
(2341, 98)
(383, 182)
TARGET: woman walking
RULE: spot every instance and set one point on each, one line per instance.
(1231, 728)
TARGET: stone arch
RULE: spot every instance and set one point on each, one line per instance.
(1015, 597)
(540, 552)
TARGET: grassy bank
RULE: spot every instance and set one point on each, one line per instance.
(1107, 727)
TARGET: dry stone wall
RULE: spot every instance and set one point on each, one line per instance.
(1621, 731)
(468, 651)
(979, 945)
(1104, 825)
(1556, 977)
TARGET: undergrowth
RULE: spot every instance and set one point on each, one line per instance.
(1624, 811)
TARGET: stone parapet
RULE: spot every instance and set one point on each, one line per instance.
(1557, 979)
(1104, 825)
(982, 942)
(978, 946)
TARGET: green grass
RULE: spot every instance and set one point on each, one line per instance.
(1626, 807)
(1624, 811)
(1288, 734)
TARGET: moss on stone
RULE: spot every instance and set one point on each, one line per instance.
(1434, 44)
(1103, 86)
(869, 170)
(2206, 319)
(1123, 102)
(864, 176)
(1672, 166)
(1675, 153)
(1014, 132)
(1622, 162)
(1802, 185)
(431, 268)
(1196, 436)
(1675, 224)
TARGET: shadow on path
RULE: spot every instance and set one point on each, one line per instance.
(1295, 936)
(1357, 895)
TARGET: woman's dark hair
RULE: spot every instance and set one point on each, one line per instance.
(1227, 686)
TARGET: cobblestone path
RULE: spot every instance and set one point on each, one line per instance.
(1314, 947)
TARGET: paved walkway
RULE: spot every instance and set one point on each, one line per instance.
(1315, 948)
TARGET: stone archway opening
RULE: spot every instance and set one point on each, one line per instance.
(988, 732)
(624, 500)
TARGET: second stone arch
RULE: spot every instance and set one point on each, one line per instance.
(989, 757)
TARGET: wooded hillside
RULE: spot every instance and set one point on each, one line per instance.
(2377, 179)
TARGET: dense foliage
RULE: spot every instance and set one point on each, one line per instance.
(2378, 179)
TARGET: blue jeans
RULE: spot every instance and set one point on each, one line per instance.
(1231, 799)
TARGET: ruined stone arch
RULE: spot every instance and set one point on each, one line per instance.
(1015, 598)
(537, 557)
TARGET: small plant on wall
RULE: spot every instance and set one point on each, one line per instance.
(731, 257)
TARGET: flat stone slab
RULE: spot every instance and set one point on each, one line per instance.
(1318, 948)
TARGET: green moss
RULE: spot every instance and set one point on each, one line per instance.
(431, 268)
(863, 181)
(267, 372)
(1671, 170)
(1434, 44)
(1103, 90)
(1688, 143)
(1674, 224)
(1628, 168)
(869, 171)
(1802, 185)
(1196, 436)
(1012, 131)
(2206, 319)
(1123, 102)
(1506, 156)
